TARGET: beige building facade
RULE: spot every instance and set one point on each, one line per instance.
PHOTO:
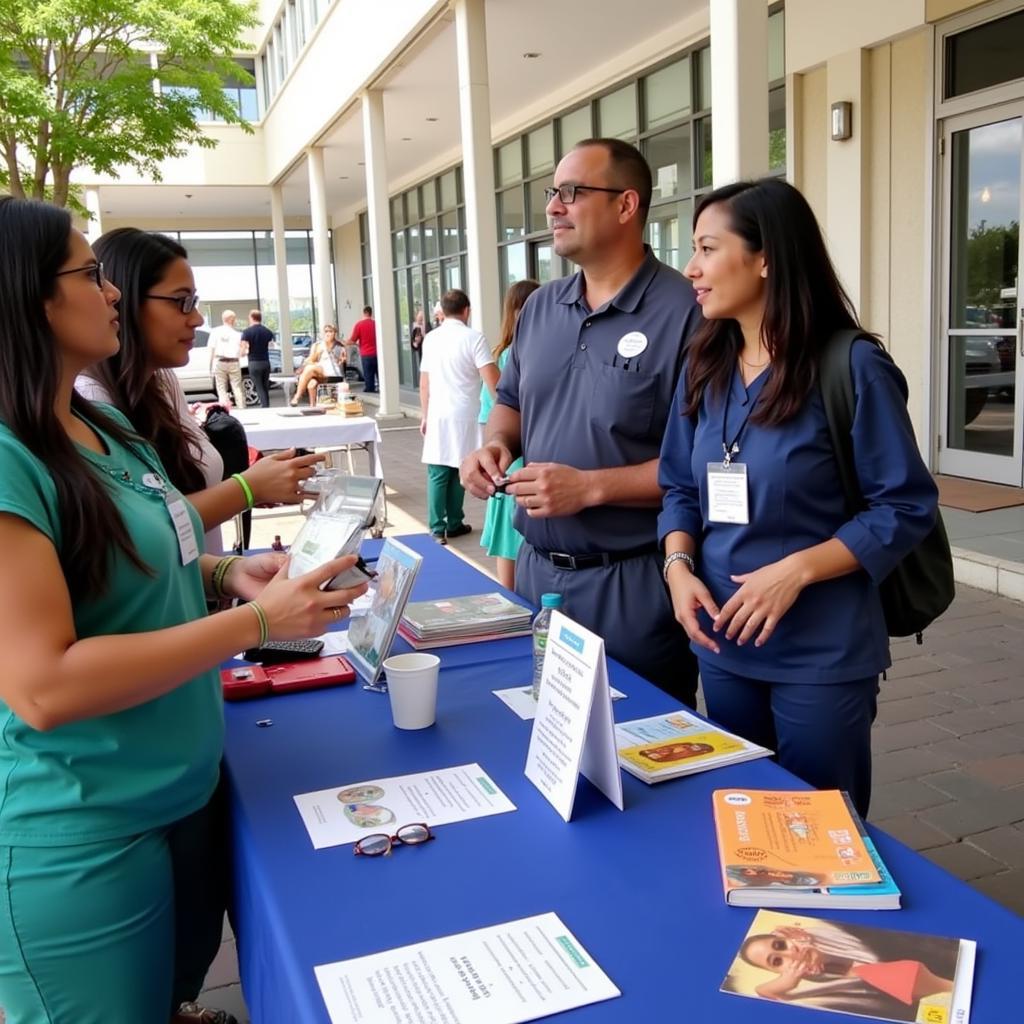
(402, 148)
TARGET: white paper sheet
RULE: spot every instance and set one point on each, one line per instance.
(506, 974)
(520, 700)
(344, 814)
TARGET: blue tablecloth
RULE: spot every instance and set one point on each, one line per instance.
(640, 889)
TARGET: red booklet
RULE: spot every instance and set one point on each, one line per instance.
(248, 681)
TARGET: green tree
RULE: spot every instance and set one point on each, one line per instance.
(77, 88)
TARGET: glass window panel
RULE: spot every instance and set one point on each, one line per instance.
(986, 55)
(703, 174)
(540, 149)
(777, 129)
(510, 214)
(433, 293)
(449, 194)
(397, 212)
(668, 232)
(703, 58)
(414, 244)
(416, 302)
(428, 198)
(452, 274)
(510, 163)
(574, 127)
(538, 218)
(429, 239)
(670, 153)
(667, 94)
(450, 233)
(249, 105)
(513, 265)
(398, 248)
(402, 311)
(616, 113)
(776, 45)
(412, 205)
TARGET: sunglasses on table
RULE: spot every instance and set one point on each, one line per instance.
(186, 303)
(380, 843)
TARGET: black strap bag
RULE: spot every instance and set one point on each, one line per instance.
(921, 587)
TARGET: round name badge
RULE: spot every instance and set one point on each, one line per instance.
(154, 481)
(632, 344)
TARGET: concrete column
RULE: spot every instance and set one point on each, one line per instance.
(378, 222)
(321, 245)
(478, 166)
(848, 173)
(284, 312)
(92, 203)
(739, 89)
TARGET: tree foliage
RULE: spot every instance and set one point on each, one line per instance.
(77, 89)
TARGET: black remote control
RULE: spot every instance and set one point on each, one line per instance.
(277, 652)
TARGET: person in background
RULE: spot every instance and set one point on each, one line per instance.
(113, 844)
(584, 398)
(327, 359)
(773, 581)
(257, 339)
(500, 538)
(416, 335)
(364, 335)
(159, 315)
(455, 360)
(226, 351)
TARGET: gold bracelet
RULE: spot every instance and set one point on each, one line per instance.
(264, 625)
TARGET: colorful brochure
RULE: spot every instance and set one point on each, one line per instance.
(854, 969)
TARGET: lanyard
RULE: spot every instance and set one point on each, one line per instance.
(731, 449)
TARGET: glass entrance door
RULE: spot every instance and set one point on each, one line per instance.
(982, 318)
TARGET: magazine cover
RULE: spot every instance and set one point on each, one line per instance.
(854, 969)
(370, 634)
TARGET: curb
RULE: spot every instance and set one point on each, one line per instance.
(996, 575)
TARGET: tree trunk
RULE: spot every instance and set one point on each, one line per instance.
(14, 184)
(61, 184)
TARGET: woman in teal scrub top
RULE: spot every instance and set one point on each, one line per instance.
(111, 721)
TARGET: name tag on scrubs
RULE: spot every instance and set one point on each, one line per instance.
(727, 493)
(188, 548)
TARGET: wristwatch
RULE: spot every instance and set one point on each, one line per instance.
(677, 556)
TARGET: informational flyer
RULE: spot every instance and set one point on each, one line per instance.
(520, 700)
(573, 730)
(344, 814)
(514, 972)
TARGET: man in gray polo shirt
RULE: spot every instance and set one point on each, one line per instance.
(584, 397)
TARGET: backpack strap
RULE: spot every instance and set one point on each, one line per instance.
(835, 379)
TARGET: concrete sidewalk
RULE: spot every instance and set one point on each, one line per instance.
(949, 739)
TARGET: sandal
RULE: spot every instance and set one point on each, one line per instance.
(193, 1013)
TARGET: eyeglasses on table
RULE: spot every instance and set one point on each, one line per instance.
(380, 843)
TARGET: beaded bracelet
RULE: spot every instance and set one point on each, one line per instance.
(677, 556)
(220, 570)
(250, 498)
(264, 625)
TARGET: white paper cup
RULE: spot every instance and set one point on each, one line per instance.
(412, 687)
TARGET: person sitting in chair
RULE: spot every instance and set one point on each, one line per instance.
(326, 359)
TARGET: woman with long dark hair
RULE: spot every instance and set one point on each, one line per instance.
(159, 316)
(772, 579)
(111, 828)
(500, 538)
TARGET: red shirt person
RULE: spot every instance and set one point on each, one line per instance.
(364, 334)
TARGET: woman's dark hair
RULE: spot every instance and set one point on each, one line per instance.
(804, 301)
(34, 242)
(515, 298)
(135, 261)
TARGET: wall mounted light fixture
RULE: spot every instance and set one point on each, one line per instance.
(842, 120)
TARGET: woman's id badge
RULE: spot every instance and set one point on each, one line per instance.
(727, 493)
(188, 548)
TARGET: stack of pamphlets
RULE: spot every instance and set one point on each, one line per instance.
(852, 968)
(463, 620)
(679, 743)
(807, 848)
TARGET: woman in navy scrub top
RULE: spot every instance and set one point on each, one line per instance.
(782, 609)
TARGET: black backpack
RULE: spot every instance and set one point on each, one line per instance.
(921, 587)
(227, 435)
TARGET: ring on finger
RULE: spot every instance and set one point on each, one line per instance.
(337, 613)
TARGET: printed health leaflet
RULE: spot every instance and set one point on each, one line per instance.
(344, 814)
(507, 974)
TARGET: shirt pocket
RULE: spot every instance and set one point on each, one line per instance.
(624, 401)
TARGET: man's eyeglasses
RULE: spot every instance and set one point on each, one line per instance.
(186, 303)
(95, 270)
(567, 193)
(379, 844)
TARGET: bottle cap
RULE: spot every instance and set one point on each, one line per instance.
(551, 600)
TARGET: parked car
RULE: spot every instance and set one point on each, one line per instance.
(983, 374)
(195, 376)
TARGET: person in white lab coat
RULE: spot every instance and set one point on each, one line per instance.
(455, 359)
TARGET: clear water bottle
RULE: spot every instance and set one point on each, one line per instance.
(541, 625)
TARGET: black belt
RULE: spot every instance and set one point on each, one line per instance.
(560, 560)
(224, 359)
